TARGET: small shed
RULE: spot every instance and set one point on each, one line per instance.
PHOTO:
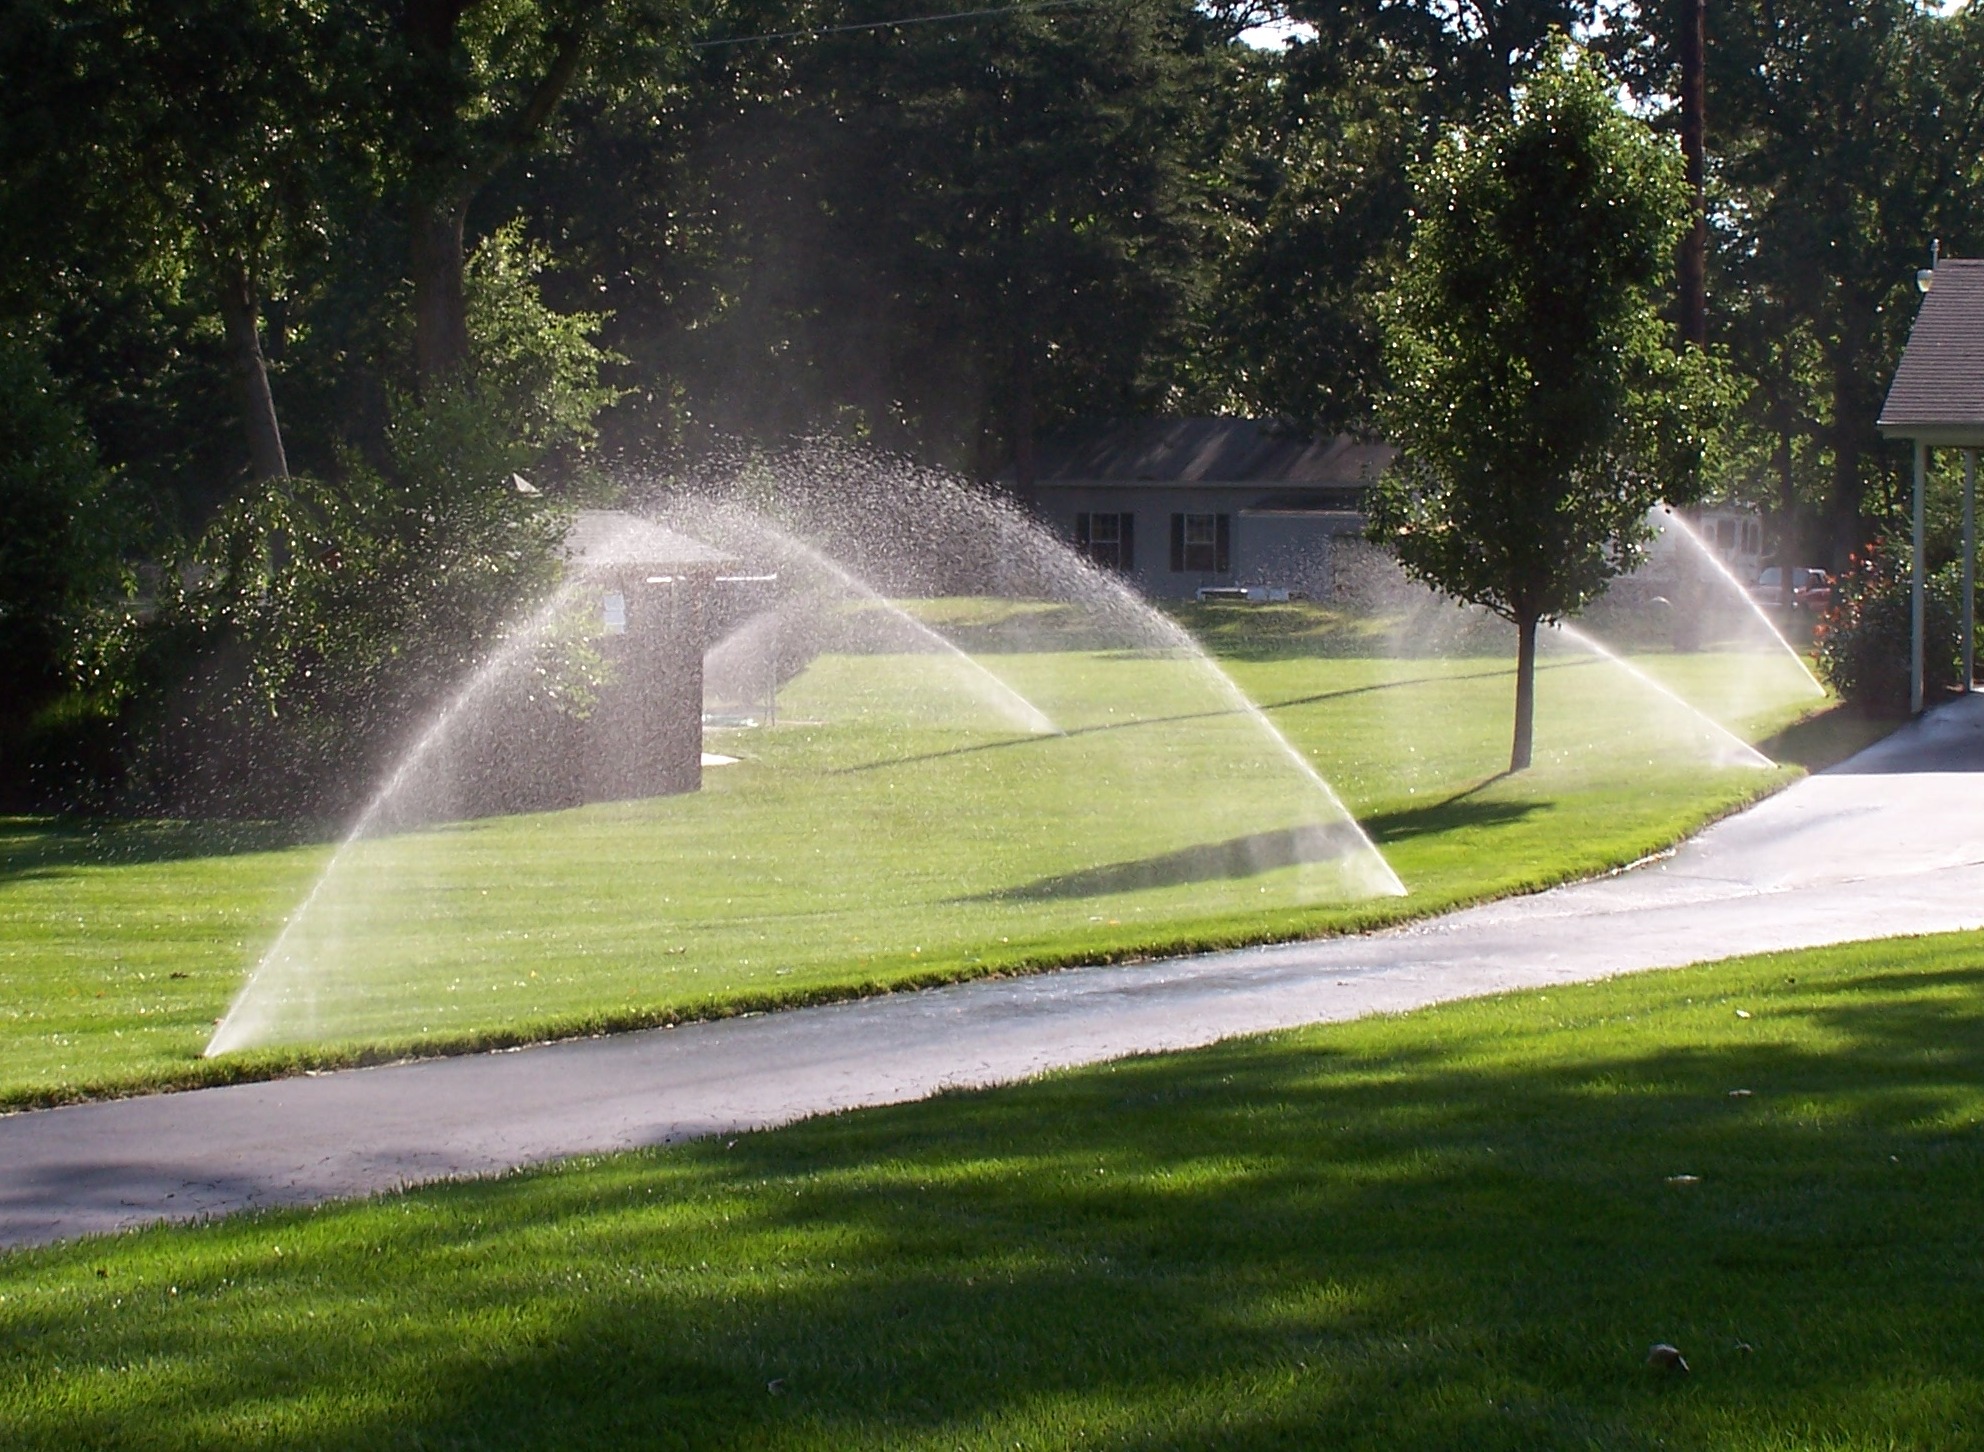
(1180, 505)
(644, 595)
(1937, 402)
(654, 587)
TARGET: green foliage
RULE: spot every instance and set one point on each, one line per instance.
(1844, 135)
(318, 618)
(1457, 1228)
(1321, 213)
(535, 369)
(1865, 639)
(1538, 407)
(62, 534)
(321, 620)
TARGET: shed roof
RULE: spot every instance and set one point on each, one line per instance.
(1938, 389)
(1205, 451)
(606, 538)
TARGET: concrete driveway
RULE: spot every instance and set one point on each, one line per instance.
(1891, 842)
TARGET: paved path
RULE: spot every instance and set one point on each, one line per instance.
(1891, 842)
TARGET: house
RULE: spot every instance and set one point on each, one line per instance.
(1735, 532)
(1936, 401)
(1183, 505)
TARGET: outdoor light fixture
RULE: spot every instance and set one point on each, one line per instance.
(1926, 277)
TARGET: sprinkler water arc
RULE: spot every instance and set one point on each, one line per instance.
(1670, 519)
(1737, 750)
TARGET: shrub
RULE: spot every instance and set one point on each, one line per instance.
(1863, 639)
(319, 621)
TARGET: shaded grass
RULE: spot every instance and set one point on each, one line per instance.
(1456, 1227)
(846, 858)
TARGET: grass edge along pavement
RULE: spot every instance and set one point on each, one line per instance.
(1462, 1225)
(253, 1066)
(1813, 741)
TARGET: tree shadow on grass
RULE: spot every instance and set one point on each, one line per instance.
(1462, 1235)
(1142, 722)
(52, 846)
(1237, 857)
(1458, 812)
(1311, 844)
(1828, 737)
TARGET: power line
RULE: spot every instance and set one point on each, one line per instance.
(889, 24)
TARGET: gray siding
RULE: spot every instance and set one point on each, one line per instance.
(1267, 547)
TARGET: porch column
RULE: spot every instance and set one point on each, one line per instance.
(1915, 587)
(1969, 568)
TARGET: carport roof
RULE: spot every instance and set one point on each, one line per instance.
(1938, 391)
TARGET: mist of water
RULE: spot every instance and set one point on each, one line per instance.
(282, 993)
(977, 678)
(1668, 520)
(981, 736)
(1729, 748)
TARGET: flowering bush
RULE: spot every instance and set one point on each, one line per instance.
(1863, 640)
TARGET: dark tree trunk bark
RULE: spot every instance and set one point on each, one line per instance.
(1789, 552)
(450, 173)
(1848, 488)
(1694, 147)
(440, 304)
(1525, 694)
(241, 312)
(1025, 463)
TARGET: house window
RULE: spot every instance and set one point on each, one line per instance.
(1108, 539)
(1725, 535)
(613, 613)
(1202, 543)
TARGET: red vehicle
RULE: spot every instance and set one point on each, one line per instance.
(1810, 589)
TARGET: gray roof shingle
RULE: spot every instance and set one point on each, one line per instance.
(1939, 384)
(1205, 451)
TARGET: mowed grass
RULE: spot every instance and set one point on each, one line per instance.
(1462, 1227)
(881, 836)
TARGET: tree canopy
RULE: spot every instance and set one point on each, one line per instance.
(1537, 401)
(247, 238)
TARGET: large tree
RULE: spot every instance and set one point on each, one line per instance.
(1538, 407)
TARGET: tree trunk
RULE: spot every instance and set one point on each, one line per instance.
(448, 174)
(1848, 488)
(440, 304)
(1525, 693)
(1025, 464)
(1694, 147)
(241, 312)
(1788, 551)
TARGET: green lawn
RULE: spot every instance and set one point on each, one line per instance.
(890, 831)
(1461, 1227)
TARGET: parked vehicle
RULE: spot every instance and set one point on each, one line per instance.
(1810, 589)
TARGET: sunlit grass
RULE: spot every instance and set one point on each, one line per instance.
(1461, 1227)
(878, 837)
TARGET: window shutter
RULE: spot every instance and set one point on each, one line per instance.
(1222, 555)
(1081, 529)
(1129, 542)
(1177, 544)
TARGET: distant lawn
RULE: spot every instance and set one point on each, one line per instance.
(1461, 1227)
(890, 831)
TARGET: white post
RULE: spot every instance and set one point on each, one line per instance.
(1969, 568)
(1915, 588)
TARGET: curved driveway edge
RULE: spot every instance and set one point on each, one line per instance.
(1891, 842)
